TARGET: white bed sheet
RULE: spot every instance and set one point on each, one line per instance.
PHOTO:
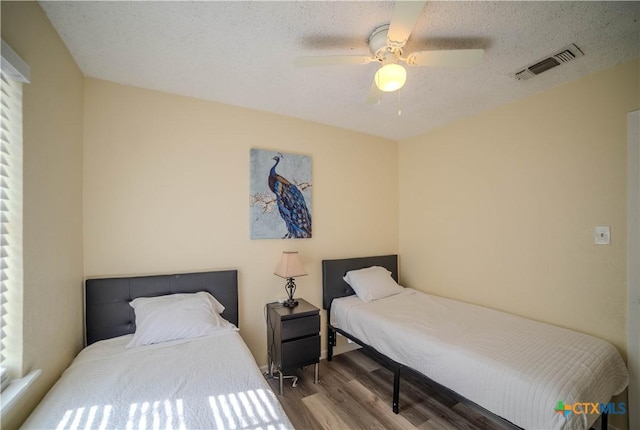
(210, 382)
(515, 367)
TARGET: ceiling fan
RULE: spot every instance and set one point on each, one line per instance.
(386, 44)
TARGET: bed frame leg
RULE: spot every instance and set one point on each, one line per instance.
(396, 388)
(332, 341)
(604, 421)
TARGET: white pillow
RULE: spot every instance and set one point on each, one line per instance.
(176, 316)
(372, 283)
(217, 306)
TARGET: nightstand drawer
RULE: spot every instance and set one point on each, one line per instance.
(301, 352)
(299, 327)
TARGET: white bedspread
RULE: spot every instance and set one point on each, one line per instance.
(516, 368)
(210, 382)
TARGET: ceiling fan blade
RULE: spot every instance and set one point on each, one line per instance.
(332, 60)
(405, 16)
(446, 58)
(375, 95)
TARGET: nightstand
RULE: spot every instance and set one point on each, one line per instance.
(293, 338)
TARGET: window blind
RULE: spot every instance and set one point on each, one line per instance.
(13, 73)
(10, 210)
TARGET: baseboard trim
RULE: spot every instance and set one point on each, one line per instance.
(341, 349)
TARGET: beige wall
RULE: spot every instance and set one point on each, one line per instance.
(499, 209)
(53, 112)
(166, 189)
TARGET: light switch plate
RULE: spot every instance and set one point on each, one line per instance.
(602, 235)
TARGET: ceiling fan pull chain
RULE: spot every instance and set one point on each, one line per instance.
(399, 108)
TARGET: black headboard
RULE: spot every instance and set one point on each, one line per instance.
(333, 286)
(107, 310)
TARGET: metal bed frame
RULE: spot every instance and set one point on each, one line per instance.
(334, 286)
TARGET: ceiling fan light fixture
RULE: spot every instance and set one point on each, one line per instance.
(390, 77)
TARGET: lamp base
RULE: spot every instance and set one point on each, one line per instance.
(290, 288)
(290, 303)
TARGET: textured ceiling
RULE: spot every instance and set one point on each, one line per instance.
(240, 53)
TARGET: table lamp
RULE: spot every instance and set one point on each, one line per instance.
(290, 267)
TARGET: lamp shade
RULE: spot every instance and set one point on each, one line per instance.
(290, 265)
(390, 77)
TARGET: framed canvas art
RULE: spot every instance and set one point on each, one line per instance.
(280, 195)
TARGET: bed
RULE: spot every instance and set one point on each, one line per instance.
(523, 373)
(173, 375)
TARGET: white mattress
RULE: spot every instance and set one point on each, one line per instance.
(204, 383)
(517, 368)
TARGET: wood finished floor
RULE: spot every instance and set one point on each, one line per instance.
(355, 393)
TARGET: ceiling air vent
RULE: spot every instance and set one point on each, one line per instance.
(565, 55)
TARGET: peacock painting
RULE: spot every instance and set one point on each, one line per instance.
(280, 195)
